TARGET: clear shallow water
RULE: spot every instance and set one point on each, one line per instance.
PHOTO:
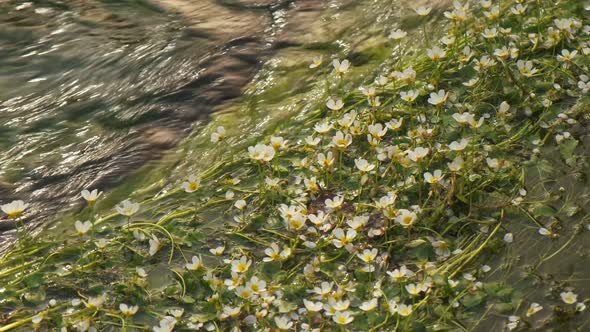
(78, 83)
(93, 91)
(90, 91)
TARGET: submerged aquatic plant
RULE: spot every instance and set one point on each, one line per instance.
(384, 210)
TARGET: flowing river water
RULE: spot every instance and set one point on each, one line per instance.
(94, 93)
(90, 91)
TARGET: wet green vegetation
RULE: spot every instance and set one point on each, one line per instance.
(428, 182)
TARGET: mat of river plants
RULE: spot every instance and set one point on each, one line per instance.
(385, 209)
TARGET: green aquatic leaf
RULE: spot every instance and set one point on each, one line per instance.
(567, 148)
(472, 300)
(544, 211)
(505, 308)
(33, 280)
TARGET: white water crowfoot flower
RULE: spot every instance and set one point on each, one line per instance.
(533, 309)
(417, 154)
(335, 104)
(127, 208)
(433, 178)
(526, 68)
(459, 146)
(545, 232)
(584, 84)
(423, 10)
(569, 297)
(36, 321)
(483, 63)
(519, 9)
(283, 323)
(409, 96)
(369, 305)
(128, 310)
(342, 317)
(490, 33)
(322, 127)
(14, 208)
(342, 239)
(278, 143)
(217, 251)
(166, 324)
(457, 15)
(218, 134)
(566, 56)
(261, 153)
(406, 218)
(395, 124)
(465, 55)
(312, 141)
(363, 165)
(448, 40)
(90, 196)
(397, 34)
(341, 67)
(316, 62)
(82, 227)
(467, 118)
(404, 310)
(438, 98)
(334, 203)
(369, 92)
(436, 53)
(95, 302)
(326, 161)
(240, 204)
(456, 165)
(275, 254)
(341, 141)
(101, 243)
(413, 289)
(313, 306)
(192, 184)
(377, 130)
(242, 265)
(513, 322)
(155, 245)
(408, 75)
(141, 272)
(368, 255)
(197, 264)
